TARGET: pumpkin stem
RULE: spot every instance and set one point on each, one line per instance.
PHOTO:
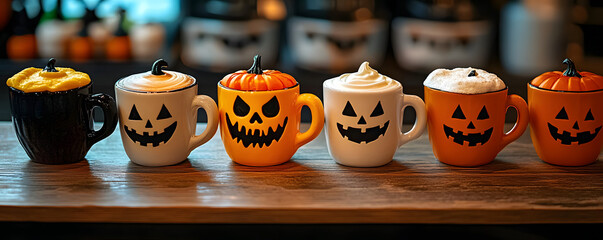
(256, 68)
(473, 73)
(571, 69)
(50, 66)
(157, 65)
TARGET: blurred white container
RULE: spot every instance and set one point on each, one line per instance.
(532, 36)
(147, 41)
(52, 37)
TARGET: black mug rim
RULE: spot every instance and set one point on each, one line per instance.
(49, 92)
(563, 91)
(232, 89)
(439, 90)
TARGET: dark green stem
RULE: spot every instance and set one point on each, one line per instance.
(571, 69)
(50, 66)
(256, 68)
(156, 69)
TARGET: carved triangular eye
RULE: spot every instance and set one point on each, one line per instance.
(134, 114)
(562, 114)
(240, 107)
(589, 116)
(271, 108)
(458, 113)
(483, 114)
(349, 110)
(378, 111)
(164, 113)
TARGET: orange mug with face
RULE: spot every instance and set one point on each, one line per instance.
(466, 127)
(260, 115)
(566, 116)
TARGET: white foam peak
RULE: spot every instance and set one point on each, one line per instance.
(464, 80)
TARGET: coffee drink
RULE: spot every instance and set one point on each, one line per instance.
(363, 112)
(466, 110)
(51, 110)
(260, 116)
(158, 116)
(464, 80)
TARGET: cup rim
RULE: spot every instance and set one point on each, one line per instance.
(167, 91)
(255, 91)
(562, 91)
(469, 94)
(49, 92)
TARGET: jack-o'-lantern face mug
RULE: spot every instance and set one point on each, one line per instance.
(364, 112)
(259, 116)
(566, 116)
(467, 129)
(158, 116)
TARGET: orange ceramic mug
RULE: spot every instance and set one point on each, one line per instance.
(566, 116)
(260, 125)
(468, 129)
(565, 126)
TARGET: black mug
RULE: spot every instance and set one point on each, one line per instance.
(57, 127)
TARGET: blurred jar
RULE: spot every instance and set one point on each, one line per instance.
(532, 36)
(335, 35)
(147, 41)
(429, 34)
(53, 34)
(222, 35)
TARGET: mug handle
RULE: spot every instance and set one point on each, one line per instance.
(420, 122)
(521, 106)
(211, 109)
(107, 104)
(318, 118)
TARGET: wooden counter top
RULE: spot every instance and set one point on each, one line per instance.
(208, 188)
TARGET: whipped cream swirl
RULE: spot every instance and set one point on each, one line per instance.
(366, 79)
(147, 82)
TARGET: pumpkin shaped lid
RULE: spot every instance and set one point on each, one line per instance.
(569, 80)
(256, 79)
(49, 79)
(156, 80)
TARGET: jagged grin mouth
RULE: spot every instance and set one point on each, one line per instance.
(255, 137)
(154, 139)
(567, 138)
(356, 135)
(472, 138)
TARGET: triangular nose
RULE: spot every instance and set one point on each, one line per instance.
(149, 125)
(471, 126)
(576, 126)
(361, 121)
(255, 118)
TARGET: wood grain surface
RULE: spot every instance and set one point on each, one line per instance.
(311, 188)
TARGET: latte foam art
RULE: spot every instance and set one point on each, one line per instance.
(147, 82)
(366, 79)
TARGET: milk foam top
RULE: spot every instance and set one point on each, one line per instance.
(366, 79)
(464, 80)
(156, 80)
(49, 79)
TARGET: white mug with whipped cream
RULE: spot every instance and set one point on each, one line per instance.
(363, 117)
(158, 115)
